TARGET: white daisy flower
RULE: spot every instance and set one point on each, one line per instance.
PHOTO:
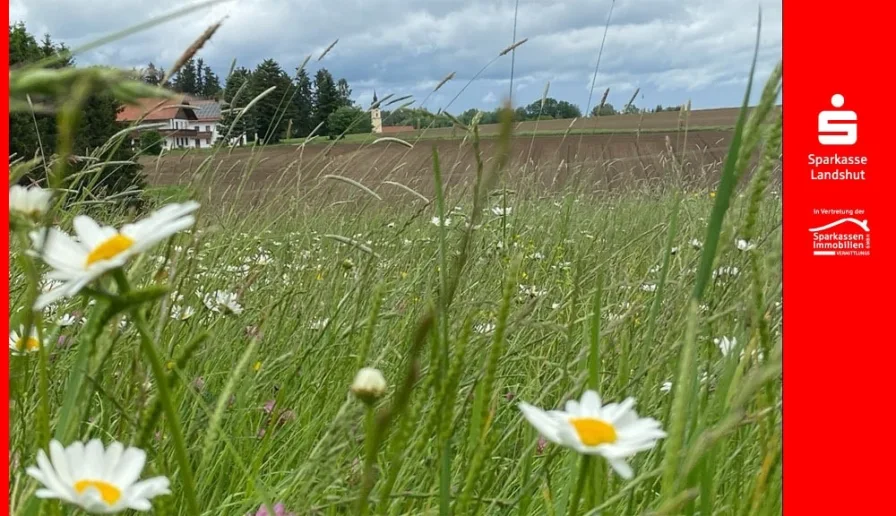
(182, 313)
(725, 345)
(100, 481)
(223, 302)
(743, 245)
(21, 342)
(436, 221)
(614, 431)
(98, 249)
(648, 287)
(696, 244)
(666, 387)
(67, 320)
(31, 201)
(502, 212)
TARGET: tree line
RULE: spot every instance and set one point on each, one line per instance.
(297, 106)
(34, 135)
(549, 109)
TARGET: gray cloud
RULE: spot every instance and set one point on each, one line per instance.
(674, 50)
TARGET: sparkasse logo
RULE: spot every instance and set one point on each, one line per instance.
(838, 127)
(843, 236)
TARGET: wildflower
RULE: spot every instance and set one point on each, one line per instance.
(182, 313)
(696, 244)
(502, 212)
(666, 387)
(369, 385)
(31, 202)
(223, 302)
(541, 445)
(648, 287)
(743, 245)
(673, 251)
(100, 481)
(21, 342)
(439, 222)
(279, 510)
(256, 367)
(99, 249)
(725, 345)
(67, 320)
(725, 271)
(614, 431)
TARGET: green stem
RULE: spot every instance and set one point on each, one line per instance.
(158, 371)
(371, 442)
(584, 470)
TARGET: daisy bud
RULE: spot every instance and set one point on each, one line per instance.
(369, 385)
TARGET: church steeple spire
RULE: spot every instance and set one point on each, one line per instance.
(374, 96)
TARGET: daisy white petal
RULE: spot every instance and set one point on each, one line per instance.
(97, 249)
(614, 431)
(97, 479)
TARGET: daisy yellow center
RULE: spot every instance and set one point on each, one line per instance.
(108, 492)
(28, 344)
(110, 248)
(593, 432)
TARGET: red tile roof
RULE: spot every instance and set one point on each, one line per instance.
(154, 109)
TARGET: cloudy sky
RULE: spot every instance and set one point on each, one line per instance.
(673, 50)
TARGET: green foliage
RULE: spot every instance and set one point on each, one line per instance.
(235, 97)
(37, 134)
(348, 120)
(605, 110)
(303, 105)
(552, 108)
(152, 142)
(272, 112)
(327, 99)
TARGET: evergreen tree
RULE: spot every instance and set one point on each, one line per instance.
(345, 93)
(185, 82)
(152, 75)
(235, 97)
(273, 112)
(303, 103)
(37, 137)
(211, 85)
(199, 88)
(326, 98)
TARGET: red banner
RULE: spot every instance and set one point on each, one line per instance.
(838, 250)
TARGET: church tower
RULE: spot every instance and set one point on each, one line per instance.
(376, 118)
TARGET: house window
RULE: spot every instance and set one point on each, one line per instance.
(208, 141)
(208, 128)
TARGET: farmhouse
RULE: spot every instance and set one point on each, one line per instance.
(186, 121)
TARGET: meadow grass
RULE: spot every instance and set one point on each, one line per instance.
(527, 295)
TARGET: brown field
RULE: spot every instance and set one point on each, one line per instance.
(538, 165)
